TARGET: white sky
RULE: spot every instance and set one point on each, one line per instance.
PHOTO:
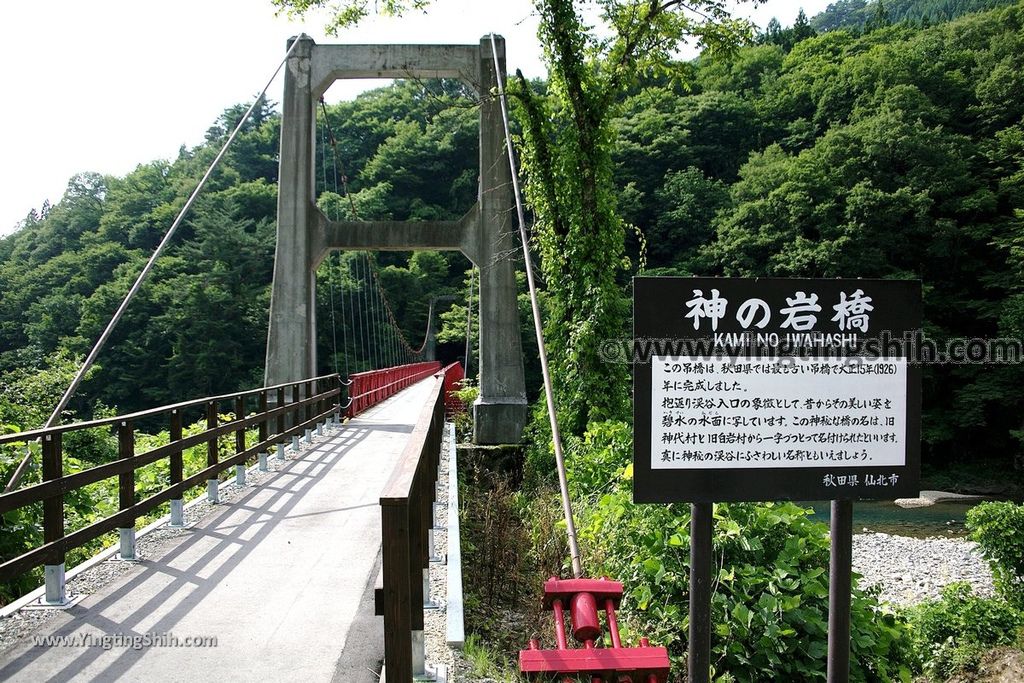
(106, 85)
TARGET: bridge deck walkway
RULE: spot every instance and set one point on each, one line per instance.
(282, 577)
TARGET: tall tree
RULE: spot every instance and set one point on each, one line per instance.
(567, 145)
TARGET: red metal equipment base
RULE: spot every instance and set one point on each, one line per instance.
(617, 664)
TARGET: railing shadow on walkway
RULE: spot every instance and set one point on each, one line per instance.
(229, 550)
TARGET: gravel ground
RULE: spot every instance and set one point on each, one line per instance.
(24, 621)
(436, 621)
(910, 570)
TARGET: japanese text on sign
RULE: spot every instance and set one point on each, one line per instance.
(760, 413)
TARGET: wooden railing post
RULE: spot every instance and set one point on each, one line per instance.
(399, 605)
(321, 407)
(212, 485)
(126, 487)
(55, 486)
(177, 467)
(296, 412)
(308, 411)
(239, 440)
(280, 423)
(264, 428)
(53, 521)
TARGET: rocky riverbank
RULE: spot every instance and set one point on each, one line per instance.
(911, 570)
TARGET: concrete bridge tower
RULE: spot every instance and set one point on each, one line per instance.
(486, 234)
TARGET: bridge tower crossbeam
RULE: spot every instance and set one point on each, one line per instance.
(486, 234)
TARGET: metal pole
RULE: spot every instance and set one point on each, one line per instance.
(698, 659)
(549, 396)
(840, 585)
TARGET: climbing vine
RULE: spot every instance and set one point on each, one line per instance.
(566, 149)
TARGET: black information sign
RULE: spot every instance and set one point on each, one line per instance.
(775, 389)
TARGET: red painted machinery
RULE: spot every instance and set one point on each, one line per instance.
(615, 664)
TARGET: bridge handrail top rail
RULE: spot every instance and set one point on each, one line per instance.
(34, 434)
(399, 486)
(379, 371)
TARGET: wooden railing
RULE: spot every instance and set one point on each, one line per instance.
(373, 386)
(297, 406)
(406, 516)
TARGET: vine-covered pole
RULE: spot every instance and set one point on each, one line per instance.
(549, 396)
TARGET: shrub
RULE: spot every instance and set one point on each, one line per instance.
(770, 596)
(467, 394)
(952, 633)
(998, 528)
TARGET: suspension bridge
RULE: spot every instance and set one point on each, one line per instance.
(334, 473)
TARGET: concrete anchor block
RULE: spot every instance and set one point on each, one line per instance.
(177, 513)
(55, 584)
(213, 491)
(127, 543)
(428, 603)
(420, 672)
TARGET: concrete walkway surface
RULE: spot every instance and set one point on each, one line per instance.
(282, 578)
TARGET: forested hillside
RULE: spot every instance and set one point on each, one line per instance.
(199, 324)
(896, 152)
(856, 14)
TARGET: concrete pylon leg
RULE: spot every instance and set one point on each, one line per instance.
(500, 412)
(487, 234)
(291, 340)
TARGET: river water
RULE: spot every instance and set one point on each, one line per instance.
(941, 519)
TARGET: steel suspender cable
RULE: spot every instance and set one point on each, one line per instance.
(369, 312)
(356, 330)
(366, 314)
(334, 324)
(330, 275)
(469, 318)
(344, 334)
(377, 316)
(357, 306)
(91, 358)
(549, 396)
(352, 207)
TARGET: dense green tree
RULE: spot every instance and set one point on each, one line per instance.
(856, 14)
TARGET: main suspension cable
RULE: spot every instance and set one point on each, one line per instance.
(94, 352)
(549, 396)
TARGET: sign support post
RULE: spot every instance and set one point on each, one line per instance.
(839, 591)
(698, 658)
(765, 389)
